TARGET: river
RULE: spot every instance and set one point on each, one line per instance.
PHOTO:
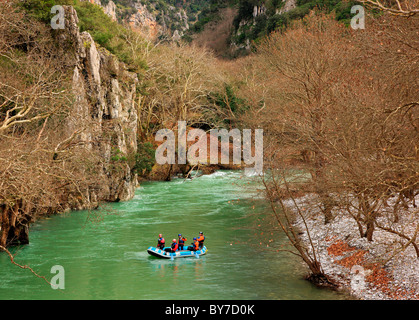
(103, 252)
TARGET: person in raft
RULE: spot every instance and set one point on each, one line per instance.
(201, 240)
(160, 242)
(181, 241)
(194, 246)
(173, 247)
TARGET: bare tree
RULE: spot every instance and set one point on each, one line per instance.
(405, 8)
(177, 83)
(341, 107)
(44, 167)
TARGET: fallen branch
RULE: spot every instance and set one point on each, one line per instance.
(12, 260)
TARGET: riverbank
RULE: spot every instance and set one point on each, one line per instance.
(357, 264)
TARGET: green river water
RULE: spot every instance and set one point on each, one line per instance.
(104, 256)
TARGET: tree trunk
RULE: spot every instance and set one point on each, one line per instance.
(13, 231)
(319, 278)
(327, 202)
(370, 230)
(4, 226)
(169, 174)
(328, 206)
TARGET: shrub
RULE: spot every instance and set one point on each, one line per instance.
(144, 158)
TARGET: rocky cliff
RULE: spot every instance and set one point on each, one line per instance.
(104, 110)
(152, 19)
(258, 18)
(88, 154)
(145, 22)
(254, 21)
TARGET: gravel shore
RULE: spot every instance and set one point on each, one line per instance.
(357, 264)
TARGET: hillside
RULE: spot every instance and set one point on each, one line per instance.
(155, 19)
(228, 27)
(257, 18)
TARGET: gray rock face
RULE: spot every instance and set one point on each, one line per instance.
(110, 10)
(104, 109)
(289, 5)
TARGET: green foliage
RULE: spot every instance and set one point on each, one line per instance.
(277, 22)
(107, 33)
(341, 8)
(208, 11)
(97, 23)
(272, 6)
(343, 11)
(123, 11)
(259, 27)
(264, 24)
(41, 9)
(144, 158)
(245, 12)
(207, 15)
(228, 101)
(117, 155)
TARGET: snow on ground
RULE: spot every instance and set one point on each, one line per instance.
(354, 262)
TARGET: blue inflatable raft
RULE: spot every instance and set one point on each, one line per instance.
(178, 254)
